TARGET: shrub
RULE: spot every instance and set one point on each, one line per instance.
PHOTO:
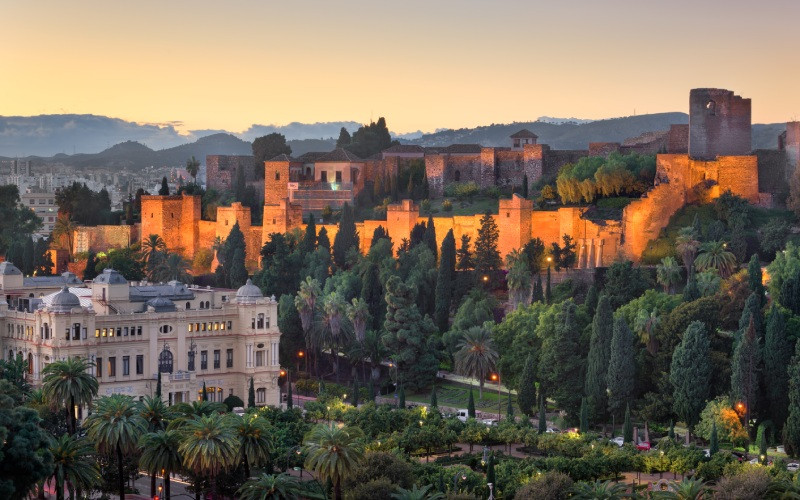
(549, 486)
(447, 205)
(233, 401)
(751, 482)
(381, 465)
(377, 488)
(715, 467)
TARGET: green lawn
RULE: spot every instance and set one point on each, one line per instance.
(457, 396)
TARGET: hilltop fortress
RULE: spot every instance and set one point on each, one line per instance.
(704, 159)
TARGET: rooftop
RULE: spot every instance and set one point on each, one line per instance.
(524, 134)
(339, 155)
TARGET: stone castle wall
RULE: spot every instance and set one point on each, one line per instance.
(719, 124)
(222, 170)
(103, 238)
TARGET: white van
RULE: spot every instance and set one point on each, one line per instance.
(462, 415)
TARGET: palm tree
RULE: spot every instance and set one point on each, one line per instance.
(151, 246)
(184, 412)
(160, 453)
(333, 309)
(333, 452)
(275, 487)
(74, 465)
(599, 490)
(157, 414)
(171, 267)
(687, 489)
(668, 274)
(209, 446)
(687, 244)
(192, 166)
(715, 255)
(518, 278)
(115, 427)
(416, 493)
(645, 325)
(64, 228)
(306, 303)
(358, 314)
(255, 440)
(476, 355)
(69, 384)
(376, 351)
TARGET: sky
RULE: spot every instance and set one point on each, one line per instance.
(421, 64)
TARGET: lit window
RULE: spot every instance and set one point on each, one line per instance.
(97, 332)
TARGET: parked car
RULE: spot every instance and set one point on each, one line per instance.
(739, 455)
(619, 441)
(462, 415)
(793, 467)
(643, 446)
(489, 421)
(553, 430)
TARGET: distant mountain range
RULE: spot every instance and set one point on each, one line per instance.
(127, 145)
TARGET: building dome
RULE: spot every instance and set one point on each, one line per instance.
(249, 293)
(9, 269)
(160, 304)
(111, 277)
(64, 301)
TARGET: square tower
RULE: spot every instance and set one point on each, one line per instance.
(719, 124)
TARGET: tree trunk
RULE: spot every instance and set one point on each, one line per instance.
(214, 487)
(197, 489)
(153, 484)
(166, 485)
(246, 467)
(71, 416)
(121, 477)
(480, 388)
(59, 490)
(337, 490)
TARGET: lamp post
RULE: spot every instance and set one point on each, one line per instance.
(496, 377)
(301, 355)
(280, 395)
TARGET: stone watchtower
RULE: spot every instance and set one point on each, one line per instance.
(719, 124)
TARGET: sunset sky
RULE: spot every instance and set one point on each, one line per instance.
(421, 64)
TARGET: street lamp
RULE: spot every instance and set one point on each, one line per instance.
(300, 355)
(496, 377)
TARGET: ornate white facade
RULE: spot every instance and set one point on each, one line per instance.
(220, 337)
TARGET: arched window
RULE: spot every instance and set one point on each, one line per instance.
(711, 107)
(10, 355)
(188, 305)
(277, 175)
(208, 304)
(260, 323)
(457, 175)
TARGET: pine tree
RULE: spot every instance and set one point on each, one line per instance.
(777, 356)
(251, 395)
(164, 191)
(548, 295)
(754, 278)
(471, 405)
(344, 138)
(322, 239)
(627, 426)
(525, 186)
(584, 427)
(526, 394)
(346, 238)
(238, 270)
(487, 258)
(561, 365)
(713, 445)
(597, 360)
(791, 431)
(464, 258)
(377, 235)
(205, 392)
(690, 374)
(434, 401)
(444, 282)
(542, 415)
(430, 238)
(621, 372)
(158, 385)
(744, 371)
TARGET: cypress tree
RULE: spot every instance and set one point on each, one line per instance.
(464, 260)
(471, 405)
(309, 243)
(744, 371)
(627, 426)
(752, 309)
(791, 431)
(490, 475)
(538, 293)
(754, 278)
(597, 360)
(158, 385)
(761, 439)
(430, 238)
(344, 138)
(372, 293)
(323, 240)
(164, 191)
(621, 367)
(690, 374)
(89, 272)
(510, 407)
(525, 186)
(487, 258)
(777, 356)
(205, 394)
(379, 234)
(434, 401)
(289, 401)
(548, 295)
(592, 297)
(542, 415)
(526, 395)
(561, 365)
(444, 282)
(584, 428)
(251, 395)
(401, 399)
(346, 238)
(238, 270)
(713, 445)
